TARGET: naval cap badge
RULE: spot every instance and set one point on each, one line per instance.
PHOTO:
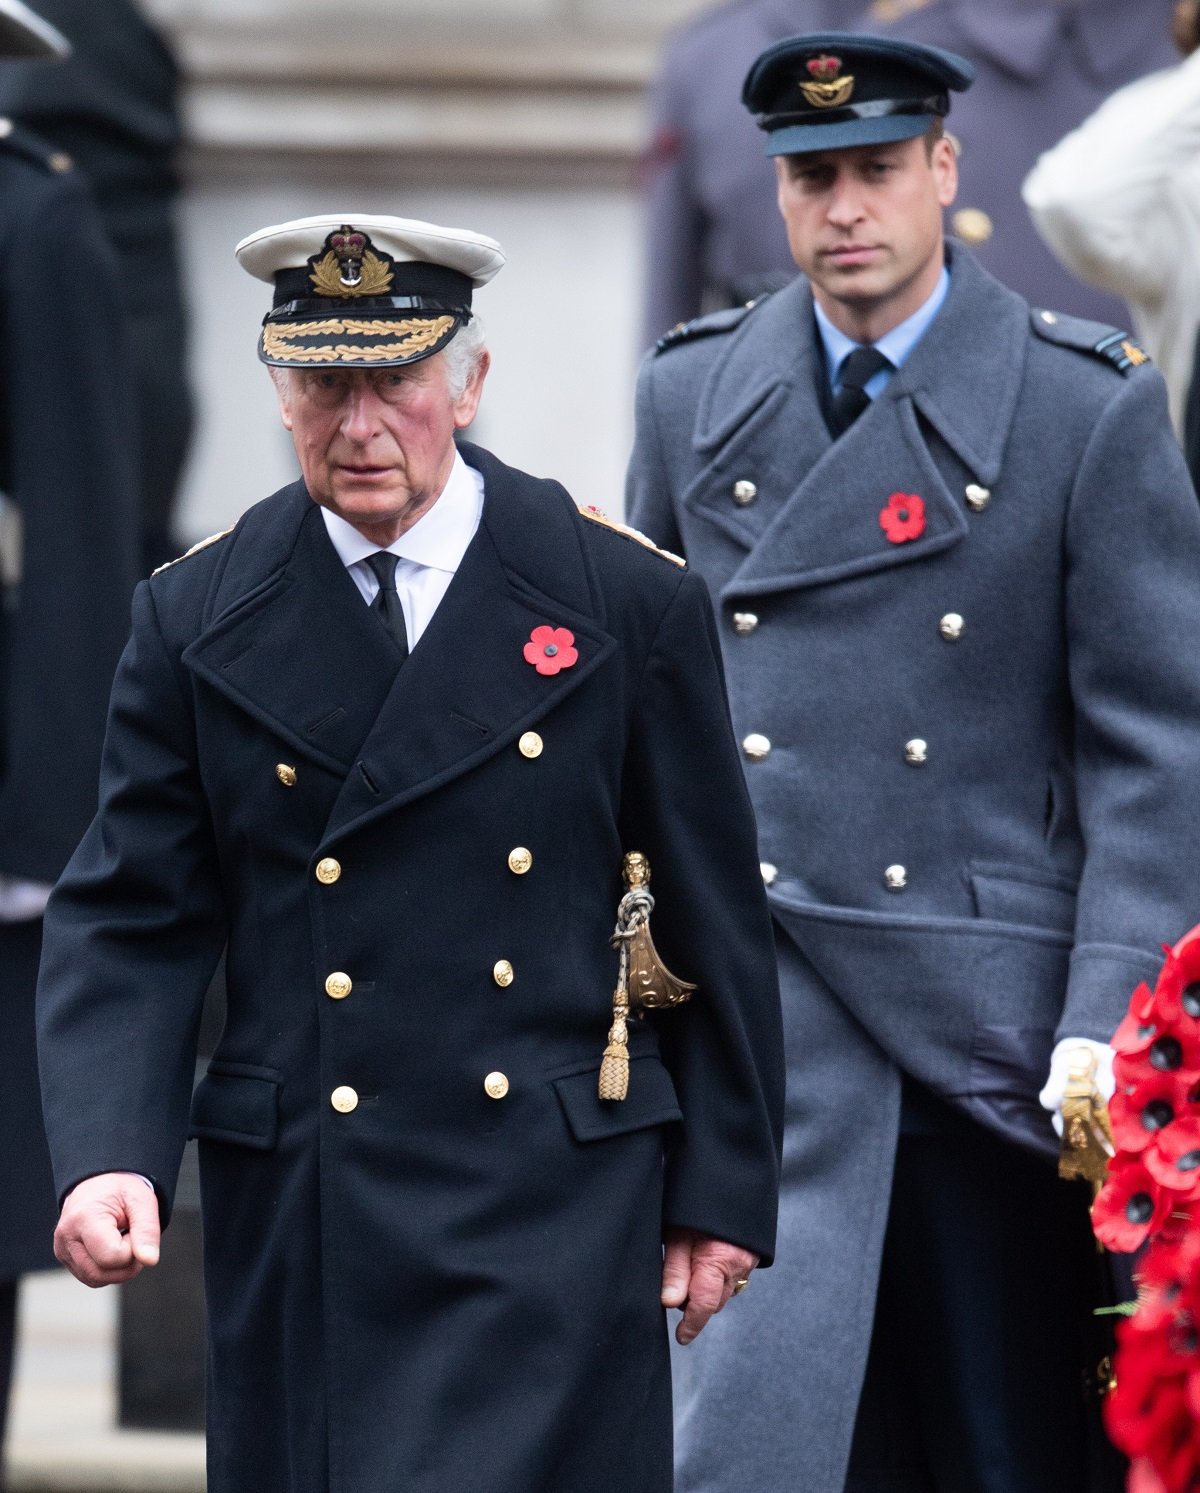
(828, 90)
(350, 266)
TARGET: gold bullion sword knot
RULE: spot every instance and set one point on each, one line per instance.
(1087, 1142)
(644, 983)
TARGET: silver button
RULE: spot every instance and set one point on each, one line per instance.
(951, 627)
(895, 878)
(756, 747)
(769, 872)
(1049, 318)
(6, 128)
(344, 1099)
(916, 752)
(744, 622)
(978, 497)
(744, 492)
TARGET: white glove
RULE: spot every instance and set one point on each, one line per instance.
(1051, 1097)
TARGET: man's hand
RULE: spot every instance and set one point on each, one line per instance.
(699, 1276)
(1051, 1097)
(108, 1229)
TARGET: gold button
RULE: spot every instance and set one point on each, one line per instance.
(502, 973)
(285, 774)
(61, 162)
(916, 752)
(344, 1099)
(973, 225)
(531, 745)
(744, 622)
(328, 871)
(744, 492)
(756, 747)
(519, 860)
(768, 872)
(978, 497)
(338, 986)
(495, 1085)
(895, 878)
(951, 627)
(1049, 318)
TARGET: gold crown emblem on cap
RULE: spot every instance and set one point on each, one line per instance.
(827, 90)
(350, 266)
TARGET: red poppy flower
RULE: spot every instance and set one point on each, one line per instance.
(1174, 1158)
(1177, 989)
(903, 518)
(1139, 1026)
(550, 649)
(1140, 1113)
(1131, 1206)
(1171, 1050)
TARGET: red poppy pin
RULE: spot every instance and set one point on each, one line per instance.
(550, 649)
(903, 518)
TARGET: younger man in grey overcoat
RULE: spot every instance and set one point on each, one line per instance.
(955, 554)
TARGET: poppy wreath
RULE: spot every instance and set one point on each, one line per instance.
(1150, 1197)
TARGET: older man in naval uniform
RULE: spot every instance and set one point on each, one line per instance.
(955, 549)
(390, 739)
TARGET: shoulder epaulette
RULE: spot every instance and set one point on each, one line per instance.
(1121, 349)
(707, 326)
(203, 544)
(22, 142)
(610, 523)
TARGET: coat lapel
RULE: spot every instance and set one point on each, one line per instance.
(298, 650)
(466, 690)
(825, 524)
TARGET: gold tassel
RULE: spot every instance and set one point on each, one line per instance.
(614, 1068)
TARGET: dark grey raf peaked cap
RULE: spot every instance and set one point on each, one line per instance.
(832, 89)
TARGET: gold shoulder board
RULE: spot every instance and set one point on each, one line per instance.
(195, 550)
(610, 523)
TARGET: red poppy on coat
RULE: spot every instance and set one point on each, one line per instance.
(903, 518)
(1139, 1114)
(550, 649)
(1173, 1160)
(1130, 1207)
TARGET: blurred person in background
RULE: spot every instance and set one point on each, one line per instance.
(713, 236)
(113, 107)
(68, 552)
(1118, 200)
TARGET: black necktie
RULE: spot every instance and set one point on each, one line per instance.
(851, 399)
(386, 605)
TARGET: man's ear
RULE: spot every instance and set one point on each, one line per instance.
(466, 406)
(280, 377)
(944, 165)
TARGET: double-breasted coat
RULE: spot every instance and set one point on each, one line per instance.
(973, 756)
(432, 1252)
(68, 494)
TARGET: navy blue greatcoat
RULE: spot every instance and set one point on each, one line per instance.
(1003, 711)
(438, 1288)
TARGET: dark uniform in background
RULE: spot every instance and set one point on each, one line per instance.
(113, 107)
(433, 1254)
(69, 539)
(963, 649)
(713, 235)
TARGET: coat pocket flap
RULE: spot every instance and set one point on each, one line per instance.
(651, 1101)
(1012, 894)
(237, 1103)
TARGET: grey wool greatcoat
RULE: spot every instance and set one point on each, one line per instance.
(1006, 706)
(447, 1285)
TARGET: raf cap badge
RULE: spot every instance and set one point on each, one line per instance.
(827, 90)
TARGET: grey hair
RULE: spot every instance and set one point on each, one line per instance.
(462, 356)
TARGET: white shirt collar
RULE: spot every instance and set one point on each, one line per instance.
(438, 539)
